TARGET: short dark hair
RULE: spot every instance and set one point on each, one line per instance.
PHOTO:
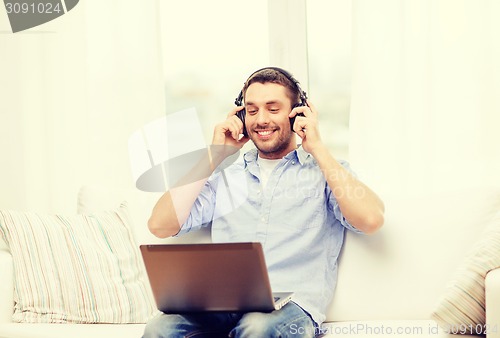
(272, 75)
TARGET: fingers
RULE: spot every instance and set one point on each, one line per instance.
(306, 119)
(235, 122)
(235, 126)
(300, 126)
(299, 130)
(231, 128)
(307, 111)
(235, 110)
(312, 107)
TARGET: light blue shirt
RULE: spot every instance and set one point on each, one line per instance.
(296, 218)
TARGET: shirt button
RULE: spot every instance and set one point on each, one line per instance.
(293, 162)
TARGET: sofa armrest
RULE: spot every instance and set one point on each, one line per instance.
(492, 294)
(6, 287)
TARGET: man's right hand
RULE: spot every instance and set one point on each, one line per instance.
(228, 132)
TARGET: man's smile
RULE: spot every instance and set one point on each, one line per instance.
(265, 133)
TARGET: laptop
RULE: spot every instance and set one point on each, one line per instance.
(210, 277)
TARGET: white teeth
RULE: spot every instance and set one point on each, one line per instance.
(265, 132)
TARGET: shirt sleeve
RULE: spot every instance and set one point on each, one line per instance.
(203, 208)
(334, 205)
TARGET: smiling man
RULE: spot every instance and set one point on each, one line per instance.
(268, 129)
(299, 200)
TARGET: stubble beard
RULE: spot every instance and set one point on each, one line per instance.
(274, 148)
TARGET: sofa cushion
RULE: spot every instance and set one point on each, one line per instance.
(96, 198)
(462, 307)
(6, 287)
(3, 245)
(78, 269)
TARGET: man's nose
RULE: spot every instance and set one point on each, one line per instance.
(262, 117)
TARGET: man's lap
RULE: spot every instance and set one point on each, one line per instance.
(290, 321)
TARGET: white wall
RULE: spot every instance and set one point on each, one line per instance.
(71, 93)
(425, 95)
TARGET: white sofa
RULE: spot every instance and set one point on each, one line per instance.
(388, 283)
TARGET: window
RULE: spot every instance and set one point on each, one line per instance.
(329, 64)
(209, 49)
(208, 54)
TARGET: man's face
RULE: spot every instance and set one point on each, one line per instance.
(267, 107)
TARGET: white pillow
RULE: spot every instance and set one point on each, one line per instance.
(462, 308)
(76, 269)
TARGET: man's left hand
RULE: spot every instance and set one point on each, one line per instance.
(307, 126)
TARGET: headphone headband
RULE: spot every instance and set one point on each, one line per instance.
(302, 94)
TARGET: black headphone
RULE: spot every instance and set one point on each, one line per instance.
(302, 94)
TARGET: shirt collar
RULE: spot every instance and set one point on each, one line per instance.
(299, 154)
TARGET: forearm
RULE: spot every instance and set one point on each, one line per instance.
(361, 207)
(172, 209)
(174, 206)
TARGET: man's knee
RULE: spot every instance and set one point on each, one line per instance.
(268, 325)
(174, 325)
(257, 325)
(163, 326)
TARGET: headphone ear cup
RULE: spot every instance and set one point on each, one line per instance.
(241, 115)
(292, 119)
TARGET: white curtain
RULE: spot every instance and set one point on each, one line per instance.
(72, 91)
(425, 112)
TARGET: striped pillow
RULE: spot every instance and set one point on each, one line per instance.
(462, 307)
(76, 269)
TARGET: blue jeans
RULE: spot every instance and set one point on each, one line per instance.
(290, 321)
